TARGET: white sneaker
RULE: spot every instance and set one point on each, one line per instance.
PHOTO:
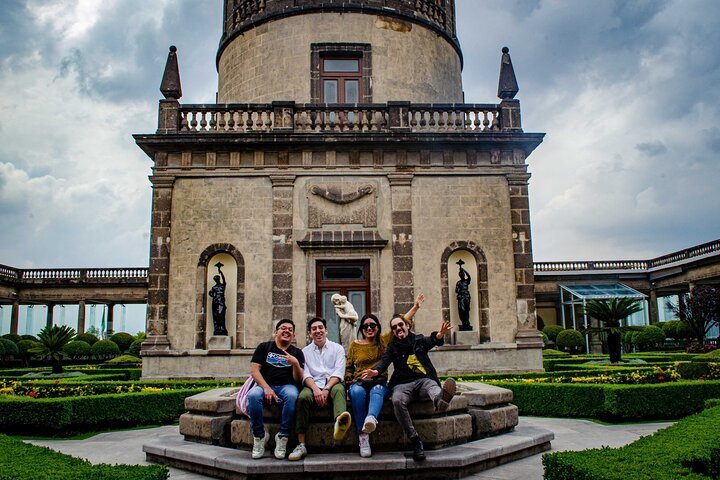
(259, 446)
(365, 445)
(299, 453)
(280, 446)
(370, 424)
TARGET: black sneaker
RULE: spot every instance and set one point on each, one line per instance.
(418, 450)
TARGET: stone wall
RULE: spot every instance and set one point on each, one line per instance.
(409, 62)
(234, 211)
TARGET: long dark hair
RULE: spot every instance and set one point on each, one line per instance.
(379, 328)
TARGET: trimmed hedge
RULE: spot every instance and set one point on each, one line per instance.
(612, 402)
(123, 340)
(128, 373)
(134, 348)
(105, 348)
(713, 402)
(22, 461)
(68, 414)
(10, 348)
(12, 337)
(87, 337)
(552, 331)
(689, 449)
(77, 348)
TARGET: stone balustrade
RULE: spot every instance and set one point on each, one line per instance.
(74, 275)
(321, 118)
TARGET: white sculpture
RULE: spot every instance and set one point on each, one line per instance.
(347, 315)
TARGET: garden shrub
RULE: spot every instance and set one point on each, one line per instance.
(77, 348)
(134, 348)
(87, 337)
(29, 337)
(713, 356)
(123, 359)
(612, 402)
(677, 330)
(105, 348)
(12, 337)
(76, 413)
(552, 331)
(689, 449)
(123, 340)
(570, 339)
(713, 402)
(10, 349)
(649, 337)
(545, 338)
(552, 353)
(23, 461)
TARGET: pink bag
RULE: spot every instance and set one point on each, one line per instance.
(241, 401)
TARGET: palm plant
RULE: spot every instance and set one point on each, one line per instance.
(52, 340)
(610, 313)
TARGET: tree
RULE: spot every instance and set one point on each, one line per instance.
(610, 313)
(699, 309)
(52, 340)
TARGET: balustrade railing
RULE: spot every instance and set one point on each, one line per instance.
(81, 275)
(323, 118)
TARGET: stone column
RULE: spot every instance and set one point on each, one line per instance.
(14, 317)
(527, 335)
(50, 313)
(81, 317)
(653, 316)
(158, 274)
(109, 327)
(401, 194)
(282, 230)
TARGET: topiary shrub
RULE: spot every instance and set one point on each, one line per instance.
(77, 348)
(676, 329)
(105, 349)
(9, 347)
(123, 340)
(89, 338)
(30, 337)
(24, 346)
(134, 348)
(12, 337)
(2, 350)
(649, 337)
(713, 357)
(571, 340)
(552, 331)
(124, 359)
(551, 353)
(545, 338)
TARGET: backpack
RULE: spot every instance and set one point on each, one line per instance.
(241, 401)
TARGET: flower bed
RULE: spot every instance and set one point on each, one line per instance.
(86, 386)
(21, 461)
(689, 449)
(623, 377)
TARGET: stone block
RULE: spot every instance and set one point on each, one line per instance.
(205, 429)
(466, 338)
(483, 395)
(219, 342)
(218, 400)
(494, 420)
(437, 432)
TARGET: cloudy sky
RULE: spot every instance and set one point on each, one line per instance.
(627, 92)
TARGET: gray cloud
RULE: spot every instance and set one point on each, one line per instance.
(652, 149)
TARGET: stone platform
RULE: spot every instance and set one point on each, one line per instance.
(449, 462)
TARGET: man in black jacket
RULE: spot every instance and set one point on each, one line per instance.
(414, 377)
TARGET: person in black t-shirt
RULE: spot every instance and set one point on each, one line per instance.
(277, 368)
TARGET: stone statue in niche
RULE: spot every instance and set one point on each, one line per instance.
(347, 315)
(462, 290)
(217, 293)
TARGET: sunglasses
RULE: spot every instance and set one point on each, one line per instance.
(397, 326)
(369, 326)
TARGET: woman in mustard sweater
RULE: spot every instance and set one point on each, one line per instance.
(367, 396)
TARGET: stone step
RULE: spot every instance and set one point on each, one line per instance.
(450, 462)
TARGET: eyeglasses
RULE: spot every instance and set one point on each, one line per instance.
(397, 326)
(369, 326)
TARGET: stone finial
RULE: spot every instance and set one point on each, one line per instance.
(507, 86)
(170, 86)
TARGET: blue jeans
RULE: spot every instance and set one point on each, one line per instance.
(361, 407)
(288, 395)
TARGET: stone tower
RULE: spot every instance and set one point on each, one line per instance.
(339, 159)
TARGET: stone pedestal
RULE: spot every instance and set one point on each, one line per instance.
(219, 342)
(467, 337)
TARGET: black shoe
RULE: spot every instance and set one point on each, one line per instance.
(418, 450)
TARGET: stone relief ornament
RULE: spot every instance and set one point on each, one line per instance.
(340, 198)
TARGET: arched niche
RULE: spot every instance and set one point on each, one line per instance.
(234, 270)
(476, 266)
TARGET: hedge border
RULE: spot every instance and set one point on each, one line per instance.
(690, 449)
(22, 461)
(611, 402)
(72, 414)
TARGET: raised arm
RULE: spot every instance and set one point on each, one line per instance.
(416, 306)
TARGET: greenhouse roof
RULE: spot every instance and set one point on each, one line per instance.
(607, 290)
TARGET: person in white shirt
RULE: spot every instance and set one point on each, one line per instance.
(322, 380)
